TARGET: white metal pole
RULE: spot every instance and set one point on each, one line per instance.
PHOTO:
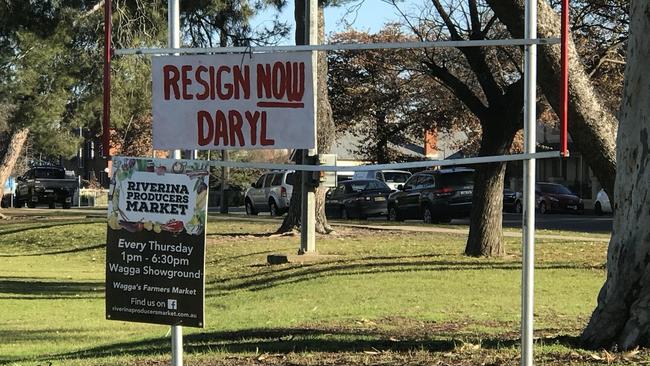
(308, 209)
(530, 126)
(177, 345)
(174, 41)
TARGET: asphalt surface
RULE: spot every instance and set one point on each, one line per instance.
(587, 223)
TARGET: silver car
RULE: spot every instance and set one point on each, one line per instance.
(271, 193)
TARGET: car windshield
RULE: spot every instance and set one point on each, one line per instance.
(290, 178)
(49, 173)
(556, 189)
(457, 179)
(396, 177)
(358, 186)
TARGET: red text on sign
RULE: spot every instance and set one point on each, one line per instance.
(225, 128)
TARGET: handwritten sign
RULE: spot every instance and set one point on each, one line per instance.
(257, 101)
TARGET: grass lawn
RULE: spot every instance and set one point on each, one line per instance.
(379, 297)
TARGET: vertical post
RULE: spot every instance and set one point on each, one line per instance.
(225, 177)
(79, 190)
(108, 25)
(530, 126)
(308, 212)
(177, 345)
(564, 97)
(173, 39)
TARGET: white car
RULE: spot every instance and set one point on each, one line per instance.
(392, 178)
(271, 193)
(602, 204)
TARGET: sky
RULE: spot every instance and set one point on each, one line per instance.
(370, 16)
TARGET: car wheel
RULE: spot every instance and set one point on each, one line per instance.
(427, 216)
(598, 209)
(31, 204)
(393, 215)
(344, 214)
(66, 205)
(542, 208)
(519, 208)
(250, 210)
(273, 208)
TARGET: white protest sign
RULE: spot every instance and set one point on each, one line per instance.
(251, 101)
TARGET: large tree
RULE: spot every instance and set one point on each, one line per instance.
(50, 71)
(378, 97)
(325, 125)
(592, 125)
(622, 318)
(488, 81)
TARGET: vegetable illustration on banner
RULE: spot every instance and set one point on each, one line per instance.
(138, 203)
(155, 250)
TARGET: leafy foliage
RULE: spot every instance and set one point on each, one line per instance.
(382, 97)
(51, 60)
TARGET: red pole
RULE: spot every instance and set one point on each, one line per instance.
(564, 97)
(106, 125)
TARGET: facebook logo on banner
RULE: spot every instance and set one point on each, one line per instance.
(171, 304)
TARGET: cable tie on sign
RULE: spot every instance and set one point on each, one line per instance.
(248, 51)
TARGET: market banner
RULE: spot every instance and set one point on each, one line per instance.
(155, 242)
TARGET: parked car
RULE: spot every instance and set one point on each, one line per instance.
(359, 198)
(271, 193)
(512, 201)
(602, 204)
(48, 185)
(433, 196)
(553, 197)
(392, 178)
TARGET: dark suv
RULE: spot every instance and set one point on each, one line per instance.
(433, 196)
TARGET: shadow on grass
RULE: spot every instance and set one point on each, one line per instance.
(285, 340)
(50, 225)
(28, 288)
(353, 267)
(55, 252)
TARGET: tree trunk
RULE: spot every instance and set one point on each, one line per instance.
(292, 220)
(591, 125)
(622, 317)
(325, 135)
(485, 228)
(11, 156)
(485, 233)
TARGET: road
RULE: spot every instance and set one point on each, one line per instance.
(581, 223)
(587, 223)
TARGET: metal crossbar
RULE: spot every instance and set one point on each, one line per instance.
(339, 47)
(409, 165)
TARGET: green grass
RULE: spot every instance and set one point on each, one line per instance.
(378, 297)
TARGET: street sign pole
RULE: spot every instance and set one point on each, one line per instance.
(173, 19)
(308, 209)
(530, 125)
